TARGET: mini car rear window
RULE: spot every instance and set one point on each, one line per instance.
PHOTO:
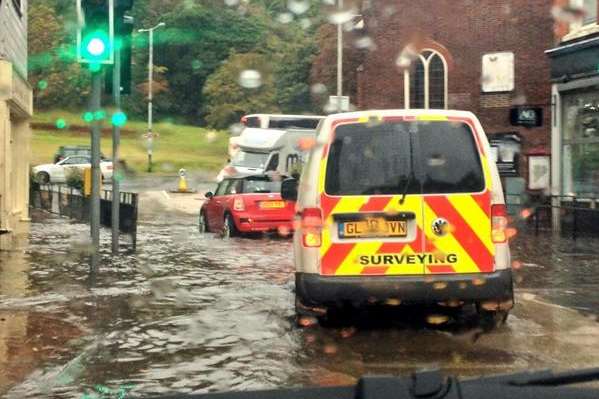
(371, 159)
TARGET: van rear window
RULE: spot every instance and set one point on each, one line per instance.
(412, 157)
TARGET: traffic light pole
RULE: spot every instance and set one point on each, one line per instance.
(96, 173)
(150, 98)
(116, 141)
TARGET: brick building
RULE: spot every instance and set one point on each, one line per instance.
(484, 56)
(574, 74)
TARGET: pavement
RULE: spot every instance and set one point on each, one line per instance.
(196, 313)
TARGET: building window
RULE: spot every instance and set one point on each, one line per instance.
(589, 8)
(426, 82)
(580, 144)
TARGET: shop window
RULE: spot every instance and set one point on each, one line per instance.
(427, 81)
(580, 145)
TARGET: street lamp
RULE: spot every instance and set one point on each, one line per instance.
(150, 94)
(359, 25)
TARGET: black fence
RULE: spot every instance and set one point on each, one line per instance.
(70, 202)
(578, 216)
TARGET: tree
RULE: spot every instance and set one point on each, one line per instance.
(226, 97)
(57, 79)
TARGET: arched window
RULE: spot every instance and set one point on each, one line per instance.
(425, 84)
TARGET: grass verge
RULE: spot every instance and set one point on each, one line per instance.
(178, 146)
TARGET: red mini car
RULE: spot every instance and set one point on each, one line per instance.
(248, 204)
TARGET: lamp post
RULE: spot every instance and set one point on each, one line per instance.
(340, 24)
(150, 94)
(339, 59)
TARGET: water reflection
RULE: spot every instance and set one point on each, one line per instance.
(195, 313)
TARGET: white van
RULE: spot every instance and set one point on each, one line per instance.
(401, 206)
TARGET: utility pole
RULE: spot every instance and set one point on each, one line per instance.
(116, 141)
(95, 166)
(150, 135)
(339, 58)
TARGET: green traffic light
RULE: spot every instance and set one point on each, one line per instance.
(88, 117)
(96, 46)
(119, 119)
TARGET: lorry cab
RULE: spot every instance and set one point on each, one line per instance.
(274, 121)
(401, 206)
(269, 150)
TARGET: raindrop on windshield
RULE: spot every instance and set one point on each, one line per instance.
(365, 42)
(298, 6)
(211, 136)
(236, 129)
(340, 17)
(285, 17)
(318, 88)
(231, 3)
(250, 79)
(305, 23)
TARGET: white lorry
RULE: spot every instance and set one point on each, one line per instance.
(274, 121)
(269, 150)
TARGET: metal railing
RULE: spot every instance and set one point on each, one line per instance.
(70, 202)
(577, 215)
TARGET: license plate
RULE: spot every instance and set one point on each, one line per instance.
(380, 228)
(272, 204)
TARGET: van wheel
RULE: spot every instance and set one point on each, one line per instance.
(229, 229)
(492, 319)
(307, 317)
(203, 224)
(43, 178)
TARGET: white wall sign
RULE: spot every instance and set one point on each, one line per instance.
(539, 172)
(498, 72)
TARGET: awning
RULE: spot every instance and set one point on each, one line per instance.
(574, 60)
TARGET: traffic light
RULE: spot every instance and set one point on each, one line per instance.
(95, 34)
(123, 29)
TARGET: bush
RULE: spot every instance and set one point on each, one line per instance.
(75, 178)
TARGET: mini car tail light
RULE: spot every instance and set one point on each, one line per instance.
(238, 204)
(311, 225)
(499, 223)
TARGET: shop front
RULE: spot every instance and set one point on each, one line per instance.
(575, 132)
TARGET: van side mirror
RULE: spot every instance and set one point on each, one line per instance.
(289, 189)
(209, 195)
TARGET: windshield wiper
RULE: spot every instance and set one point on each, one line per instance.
(404, 192)
(433, 384)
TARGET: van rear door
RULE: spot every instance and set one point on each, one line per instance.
(371, 203)
(457, 200)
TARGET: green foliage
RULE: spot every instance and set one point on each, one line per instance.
(74, 178)
(198, 39)
(227, 100)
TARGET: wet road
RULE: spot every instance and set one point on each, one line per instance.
(193, 313)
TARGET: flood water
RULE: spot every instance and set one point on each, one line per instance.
(196, 313)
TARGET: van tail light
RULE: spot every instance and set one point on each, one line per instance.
(238, 204)
(109, 167)
(311, 225)
(499, 223)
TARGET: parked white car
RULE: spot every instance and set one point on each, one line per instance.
(58, 172)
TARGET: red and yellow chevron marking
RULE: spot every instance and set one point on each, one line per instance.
(468, 241)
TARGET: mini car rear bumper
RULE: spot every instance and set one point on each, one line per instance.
(249, 223)
(316, 290)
